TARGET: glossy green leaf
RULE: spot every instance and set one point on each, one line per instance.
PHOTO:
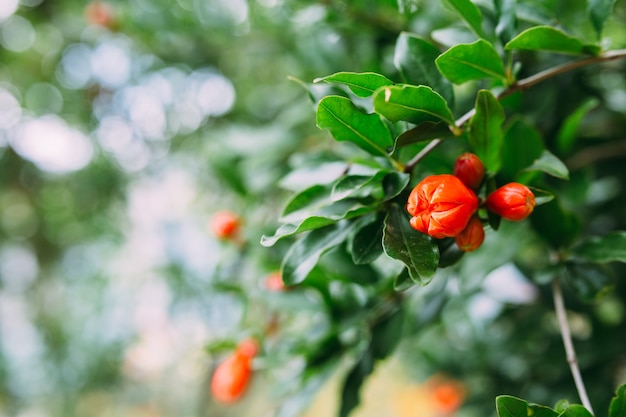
(468, 11)
(417, 250)
(415, 104)
(559, 227)
(547, 38)
(617, 408)
(358, 186)
(541, 196)
(589, 281)
(394, 183)
(506, 17)
(508, 406)
(536, 410)
(576, 410)
(602, 249)
(424, 132)
(414, 58)
(471, 61)
(317, 201)
(485, 130)
(599, 11)
(568, 132)
(365, 242)
(347, 123)
(522, 146)
(362, 84)
(551, 165)
(306, 252)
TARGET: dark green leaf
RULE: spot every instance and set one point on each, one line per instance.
(423, 132)
(362, 84)
(414, 58)
(617, 408)
(403, 281)
(415, 104)
(417, 250)
(547, 38)
(386, 333)
(485, 134)
(576, 410)
(358, 186)
(507, 19)
(347, 123)
(551, 165)
(599, 11)
(394, 183)
(365, 242)
(306, 252)
(568, 131)
(468, 11)
(541, 196)
(589, 281)
(559, 227)
(602, 249)
(522, 145)
(350, 394)
(471, 61)
(508, 406)
(536, 410)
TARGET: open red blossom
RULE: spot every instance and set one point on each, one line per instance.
(441, 206)
(512, 201)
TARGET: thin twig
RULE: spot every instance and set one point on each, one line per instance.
(559, 306)
(522, 85)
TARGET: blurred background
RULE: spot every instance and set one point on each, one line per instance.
(125, 125)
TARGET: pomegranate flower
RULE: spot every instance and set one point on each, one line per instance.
(441, 206)
(470, 170)
(512, 201)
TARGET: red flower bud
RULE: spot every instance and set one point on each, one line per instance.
(441, 206)
(274, 282)
(231, 377)
(224, 224)
(512, 201)
(472, 236)
(470, 170)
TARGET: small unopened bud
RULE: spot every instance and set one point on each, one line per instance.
(512, 201)
(470, 170)
(472, 236)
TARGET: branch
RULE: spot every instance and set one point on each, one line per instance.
(559, 306)
(522, 85)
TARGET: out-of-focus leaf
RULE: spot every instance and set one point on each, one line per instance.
(350, 393)
(306, 252)
(471, 61)
(415, 104)
(541, 196)
(423, 132)
(414, 58)
(567, 133)
(521, 146)
(485, 134)
(589, 281)
(547, 38)
(617, 407)
(362, 84)
(365, 242)
(508, 406)
(417, 250)
(551, 165)
(347, 123)
(599, 11)
(403, 281)
(576, 410)
(468, 11)
(386, 333)
(602, 249)
(556, 225)
(506, 17)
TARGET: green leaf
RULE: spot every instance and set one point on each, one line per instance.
(386, 333)
(306, 252)
(507, 19)
(485, 134)
(362, 84)
(471, 61)
(365, 242)
(414, 58)
(417, 250)
(541, 196)
(350, 394)
(589, 281)
(358, 186)
(424, 132)
(508, 406)
(617, 408)
(602, 249)
(536, 410)
(568, 131)
(522, 145)
(468, 11)
(599, 11)
(551, 165)
(559, 227)
(576, 410)
(547, 38)
(415, 104)
(347, 123)
(394, 183)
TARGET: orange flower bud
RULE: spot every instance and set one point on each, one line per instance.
(512, 201)
(231, 377)
(472, 236)
(224, 224)
(470, 170)
(274, 282)
(441, 206)
(448, 397)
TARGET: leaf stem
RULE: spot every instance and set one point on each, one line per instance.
(559, 306)
(522, 85)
